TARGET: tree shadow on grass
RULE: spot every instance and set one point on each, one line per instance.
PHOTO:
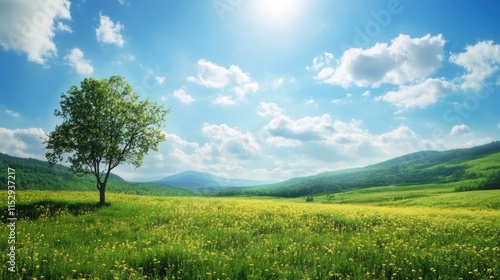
(48, 208)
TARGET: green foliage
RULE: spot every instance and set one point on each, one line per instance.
(104, 125)
(233, 238)
(32, 174)
(490, 183)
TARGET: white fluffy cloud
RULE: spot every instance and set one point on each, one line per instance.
(224, 100)
(77, 61)
(232, 79)
(211, 75)
(418, 95)
(226, 140)
(405, 60)
(481, 61)
(183, 97)
(305, 129)
(29, 27)
(109, 32)
(225, 152)
(269, 109)
(322, 138)
(459, 130)
(26, 143)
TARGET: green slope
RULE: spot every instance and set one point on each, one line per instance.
(427, 195)
(32, 174)
(469, 165)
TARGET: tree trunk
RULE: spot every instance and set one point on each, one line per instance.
(102, 194)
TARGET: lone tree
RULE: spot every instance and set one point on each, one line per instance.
(104, 125)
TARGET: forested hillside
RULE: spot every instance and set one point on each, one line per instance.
(32, 174)
(416, 168)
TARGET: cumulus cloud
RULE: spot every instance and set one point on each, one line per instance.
(183, 97)
(226, 140)
(109, 32)
(232, 80)
(401, 133)
(418, 95)
(269, 110)
(242, 90)
(26, 143)
(29, 27)
(404, 60)
(77, 61)
(328, 140)
(459, 130)
(481, 61)
(225, 100)
(305, 129)
(282, 142)
(211, 75)
(225, 152)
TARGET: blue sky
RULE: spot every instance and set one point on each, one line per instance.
(262, 89)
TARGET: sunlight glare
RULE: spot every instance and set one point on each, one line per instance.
(277, 12)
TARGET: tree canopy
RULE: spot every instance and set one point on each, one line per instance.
(104, 124)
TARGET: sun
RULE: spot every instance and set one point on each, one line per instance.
(277, 13)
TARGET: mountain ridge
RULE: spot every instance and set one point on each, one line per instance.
(421, 167)
(204, 181)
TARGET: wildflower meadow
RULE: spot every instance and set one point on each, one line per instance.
(65, 235)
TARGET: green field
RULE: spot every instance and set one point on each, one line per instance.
(433, 233)
(430, 195)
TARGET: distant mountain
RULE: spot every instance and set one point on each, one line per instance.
(416, 168)
(476, 163)
(202, 181)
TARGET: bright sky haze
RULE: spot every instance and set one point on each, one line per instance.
(262, 89)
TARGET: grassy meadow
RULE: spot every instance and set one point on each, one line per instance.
(64, 235)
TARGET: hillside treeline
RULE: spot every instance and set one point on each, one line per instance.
(32, 174)
(416, 168)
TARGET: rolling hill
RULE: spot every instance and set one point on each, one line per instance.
(32, 174)
(201, 181)
(468, 165)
